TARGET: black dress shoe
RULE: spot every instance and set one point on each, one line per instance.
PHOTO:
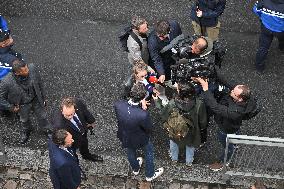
(94, 158)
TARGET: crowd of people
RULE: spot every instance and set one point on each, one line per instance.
(185, 104)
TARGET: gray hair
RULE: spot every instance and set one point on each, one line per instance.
(137, 21)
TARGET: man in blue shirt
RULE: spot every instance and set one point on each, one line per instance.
(271, 14)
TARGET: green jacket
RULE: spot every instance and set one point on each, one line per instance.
(198, 117)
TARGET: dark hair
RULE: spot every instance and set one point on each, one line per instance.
(138, 92)
(186, 91)
(246, 93)
(17, 65)
(162, 27)
(67, 102)
(201, 43)
(59, 136)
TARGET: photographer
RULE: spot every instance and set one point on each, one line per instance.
(204, 15)
(228, 112)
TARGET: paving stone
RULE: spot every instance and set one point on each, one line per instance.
(187, 186)
(91, 179)
(144, 185)
(26, 176)
(12, 173)
(28, 184)
(131, 184)
(160, 185)
(174, 186)
(10, 184)
(118, 182)
(39, 176)
(3, 169)
(203, 187)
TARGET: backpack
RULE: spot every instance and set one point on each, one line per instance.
(178, 124)
(253, 108)
(124, 36)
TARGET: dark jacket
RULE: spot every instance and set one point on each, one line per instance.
(211, 10)
(11, 93)
(64, 171)
(228, 114)
(134, 125)
(85, 117)
(197, 115)
(162, 62)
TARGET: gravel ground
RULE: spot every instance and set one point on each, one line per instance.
(75, 46)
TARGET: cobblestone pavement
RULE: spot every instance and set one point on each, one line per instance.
(75, 45)
(22, 178)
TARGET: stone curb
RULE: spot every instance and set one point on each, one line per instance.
(26, 164)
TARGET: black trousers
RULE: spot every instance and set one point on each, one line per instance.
(265, 40)
(83, 146)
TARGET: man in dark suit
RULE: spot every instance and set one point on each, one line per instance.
(134, 129)
(76, 119)
(21, 91)
(64, 171)
(161, 36)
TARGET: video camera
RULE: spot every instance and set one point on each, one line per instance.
(193, 68)
(191, 65)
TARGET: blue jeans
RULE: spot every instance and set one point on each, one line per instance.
(265, 40)
(222, 139)
(174, 150)
(148, 150)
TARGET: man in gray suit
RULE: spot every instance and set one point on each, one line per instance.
(21, 91)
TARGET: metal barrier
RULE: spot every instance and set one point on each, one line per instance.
(255, 157)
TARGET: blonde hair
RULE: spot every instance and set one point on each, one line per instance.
(139, 66)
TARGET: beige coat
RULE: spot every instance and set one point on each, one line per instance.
(134, 49)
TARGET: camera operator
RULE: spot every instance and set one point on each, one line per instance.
(192, 48)
(228, 112)
(196, 57)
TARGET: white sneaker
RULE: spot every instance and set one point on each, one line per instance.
(158, 173)
(140, 161)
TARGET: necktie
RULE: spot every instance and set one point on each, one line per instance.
(78, 123)
(70, 151)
